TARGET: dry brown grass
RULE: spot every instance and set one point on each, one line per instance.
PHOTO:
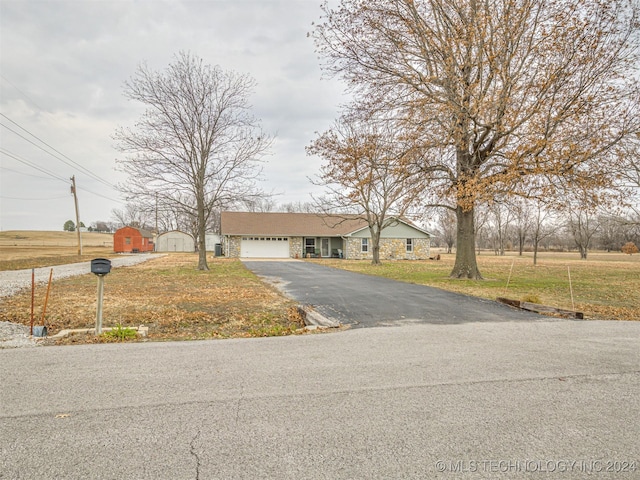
(168, 295)
(31, 249)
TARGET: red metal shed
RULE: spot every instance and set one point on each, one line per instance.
(132, 240)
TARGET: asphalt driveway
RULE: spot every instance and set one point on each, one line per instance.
(367, 301)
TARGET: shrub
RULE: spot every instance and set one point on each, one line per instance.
(629, 248)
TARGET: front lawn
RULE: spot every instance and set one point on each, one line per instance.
(169, 296)
(606, 286)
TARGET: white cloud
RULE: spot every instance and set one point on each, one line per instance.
(63, 65)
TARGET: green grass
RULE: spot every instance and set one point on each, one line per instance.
(604, 287)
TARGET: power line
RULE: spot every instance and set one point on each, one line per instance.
(35, 199)
(53, 175)
(21, 173)
(33, 165)
(21, 92)
(66, 160)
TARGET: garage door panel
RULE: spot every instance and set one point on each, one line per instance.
(264, 247)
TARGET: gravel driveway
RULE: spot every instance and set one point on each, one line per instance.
(12, 281)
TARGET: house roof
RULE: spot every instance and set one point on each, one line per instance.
(292, 224)
(289, 224)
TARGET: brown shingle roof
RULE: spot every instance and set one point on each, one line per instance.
(289, 224)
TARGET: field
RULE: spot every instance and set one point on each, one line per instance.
(32, 249)
(605, 286)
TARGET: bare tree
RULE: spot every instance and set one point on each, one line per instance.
(260, 204)
(543, 226)
(494, 92)
(197, 146)
(582, 224)
(522, 221)
(133, 214)
(447, 227)
(297, 207)
(500, 217)
(366, 173)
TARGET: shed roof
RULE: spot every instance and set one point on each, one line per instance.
(144, 233)
(170, 232)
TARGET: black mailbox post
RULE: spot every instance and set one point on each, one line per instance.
(100, 266)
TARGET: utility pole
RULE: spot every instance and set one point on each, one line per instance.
(75, 198)
(156, 213)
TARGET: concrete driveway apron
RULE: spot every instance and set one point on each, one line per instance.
(366, 301)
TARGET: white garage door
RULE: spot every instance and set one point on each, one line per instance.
(264, 247)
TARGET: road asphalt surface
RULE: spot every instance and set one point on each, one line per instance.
(365, 301)
(478, 400)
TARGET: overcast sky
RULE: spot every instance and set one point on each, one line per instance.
(62, 69)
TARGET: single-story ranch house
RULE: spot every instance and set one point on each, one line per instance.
(298, 235)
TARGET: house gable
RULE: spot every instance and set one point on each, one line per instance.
(399, 229)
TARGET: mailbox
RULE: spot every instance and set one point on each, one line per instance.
(100, 266)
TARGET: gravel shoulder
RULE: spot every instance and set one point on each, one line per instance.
(12, 281)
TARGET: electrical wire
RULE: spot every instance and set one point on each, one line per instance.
(54, 176)
(65, 159)
(33, 165)
(36, 199)
(21, 173)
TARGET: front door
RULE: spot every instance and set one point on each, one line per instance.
(325, 251)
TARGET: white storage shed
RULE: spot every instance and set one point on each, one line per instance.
(175, 241)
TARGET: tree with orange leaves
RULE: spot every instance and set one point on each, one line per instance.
(498, 95)
(367, 172)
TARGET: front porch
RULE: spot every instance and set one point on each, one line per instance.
(323, 247)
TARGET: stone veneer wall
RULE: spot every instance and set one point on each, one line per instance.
(234, 247)
(295, 247)
(390, 249)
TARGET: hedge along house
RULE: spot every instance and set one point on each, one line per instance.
(299, 235)
(132, 240)
(175, 241)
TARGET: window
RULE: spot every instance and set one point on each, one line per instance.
(409, 245)
(127, 240)
(310, 246)
(364, 245)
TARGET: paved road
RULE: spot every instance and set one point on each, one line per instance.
(364, 300)
(488, 400)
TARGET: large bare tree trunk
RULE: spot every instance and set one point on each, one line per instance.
(202, 228)
(466, 265)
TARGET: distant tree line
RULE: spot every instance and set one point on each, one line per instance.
(530, 226)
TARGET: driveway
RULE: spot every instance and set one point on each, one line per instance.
(367, 301)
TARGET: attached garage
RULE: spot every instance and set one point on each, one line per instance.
(264, 247)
